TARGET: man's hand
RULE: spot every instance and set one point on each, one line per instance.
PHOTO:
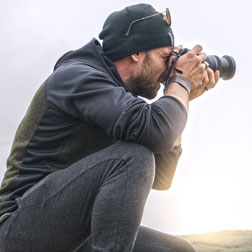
(196, 71)
(208, 82)
(193, 68)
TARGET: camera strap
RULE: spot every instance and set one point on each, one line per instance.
(177, 54)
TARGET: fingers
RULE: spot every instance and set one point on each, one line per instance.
(178, 48)
(212, 79)
(217, 76)
(196, 49)
(212, 82)
(193, 67)
(205, 81)
(206, 65)
(203, 56)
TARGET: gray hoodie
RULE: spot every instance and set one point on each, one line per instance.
(80, 109)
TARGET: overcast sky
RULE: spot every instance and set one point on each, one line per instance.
(212, 186)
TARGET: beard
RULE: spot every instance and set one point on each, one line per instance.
(143, 84)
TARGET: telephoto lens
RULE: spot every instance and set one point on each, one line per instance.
(226, 65)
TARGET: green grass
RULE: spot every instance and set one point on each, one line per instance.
(231, 241)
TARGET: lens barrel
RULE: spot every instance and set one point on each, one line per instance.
(226, 65)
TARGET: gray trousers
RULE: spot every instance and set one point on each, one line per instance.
(94, 205)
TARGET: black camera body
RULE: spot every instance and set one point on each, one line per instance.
(225, 65)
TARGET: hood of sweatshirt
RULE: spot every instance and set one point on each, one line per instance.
(92, 55)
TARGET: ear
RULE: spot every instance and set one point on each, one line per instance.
(135, 57)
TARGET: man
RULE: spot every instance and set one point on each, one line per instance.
(89, 150)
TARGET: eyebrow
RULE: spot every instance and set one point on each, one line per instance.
(166, 55)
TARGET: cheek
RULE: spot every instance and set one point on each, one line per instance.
(155, 70)
(160, 70)
(160, 66)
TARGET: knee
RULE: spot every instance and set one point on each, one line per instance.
(140, 160)
(186, 246)
(137, 151)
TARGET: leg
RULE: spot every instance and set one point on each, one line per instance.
(103, 194)
(149, 240)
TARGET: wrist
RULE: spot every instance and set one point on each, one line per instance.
(182, 81)
(180, 93)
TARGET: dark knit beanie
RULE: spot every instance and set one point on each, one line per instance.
(151, 33)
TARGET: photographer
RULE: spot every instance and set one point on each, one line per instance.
(89, 150)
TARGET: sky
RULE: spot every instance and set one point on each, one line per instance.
(212, 186)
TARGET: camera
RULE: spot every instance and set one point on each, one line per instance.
(226, 65)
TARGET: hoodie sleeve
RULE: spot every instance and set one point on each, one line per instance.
(91, 95)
